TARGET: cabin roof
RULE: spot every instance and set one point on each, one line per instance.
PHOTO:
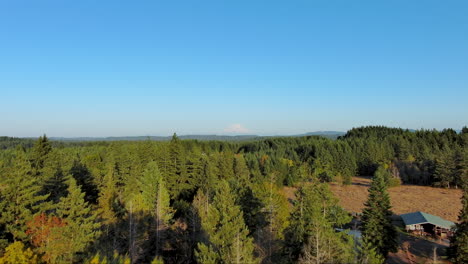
(423, 218)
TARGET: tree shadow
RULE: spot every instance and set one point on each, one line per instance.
(418, 247)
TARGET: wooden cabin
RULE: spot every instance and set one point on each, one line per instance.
(425, 224)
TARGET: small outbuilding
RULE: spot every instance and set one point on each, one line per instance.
(421, 223)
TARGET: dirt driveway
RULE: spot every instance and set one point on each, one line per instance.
(420, 251)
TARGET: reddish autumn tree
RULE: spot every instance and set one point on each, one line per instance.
(46, 235)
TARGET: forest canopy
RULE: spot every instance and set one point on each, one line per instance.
(182, 201)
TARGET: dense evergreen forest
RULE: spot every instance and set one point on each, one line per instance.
(189, 201)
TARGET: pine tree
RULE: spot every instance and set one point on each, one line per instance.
(312, 237)
(148, 185)
(241, 172)
(174, 166)
(444, 170)
(107, 196)
(226, 230)
(377, 228)
(206, 254)
(156, 199)
(225, 166)
(21, 198)
(85, 180)
(461, 167)
(40, 151)
(459, 242)
(272, 219)
(163, 211)
(205, 175)
(55, 186)
(368, 255)
(81, 226)
(155, 196)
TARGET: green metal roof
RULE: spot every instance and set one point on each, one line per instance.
(421, 218)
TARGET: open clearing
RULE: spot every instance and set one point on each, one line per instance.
(444, 203)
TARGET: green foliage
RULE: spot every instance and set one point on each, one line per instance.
(155, 196)
(108, 203)
(458, 250)
(20, 198)
(311, 237)
(390, 181)
(81, 225)
(55, 186)
(16, 253)
(275, 209)
(368, 255)
(207, 255)
(163, 210)
(148, 186)
(85, 180)
(174, 168)
(377, 228)
(227, 233)
(134, 186)
(157, 260)
(13, 142)
(46, 234)
(39, 154)
(240, 170)
(114, 259)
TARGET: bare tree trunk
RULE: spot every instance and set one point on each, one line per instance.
(238, 257)
(157, 222)
(131, 232)
(317, 247)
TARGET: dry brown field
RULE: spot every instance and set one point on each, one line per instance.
(442, 202)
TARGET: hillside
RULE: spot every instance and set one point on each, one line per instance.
(327, 134)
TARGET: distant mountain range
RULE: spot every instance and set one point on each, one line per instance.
(328, 134)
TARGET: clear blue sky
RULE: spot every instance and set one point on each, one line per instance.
(111, 68)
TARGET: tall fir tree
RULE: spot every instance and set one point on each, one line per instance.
(81, 226)
(148, 185)
(156, 200)
(461, 167)
(155, 196)
(174, 167)
(445, 170)
(241, 171)
(205, 175)
(20, 197)
(227, 233)
(312, 237)
(85, 180)
(377, 228)
(163, 212)
(55, 186)
(458, 250)
(108, 196)
(272, 219)
(39, 154)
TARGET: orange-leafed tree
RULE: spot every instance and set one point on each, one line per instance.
(46, 233)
